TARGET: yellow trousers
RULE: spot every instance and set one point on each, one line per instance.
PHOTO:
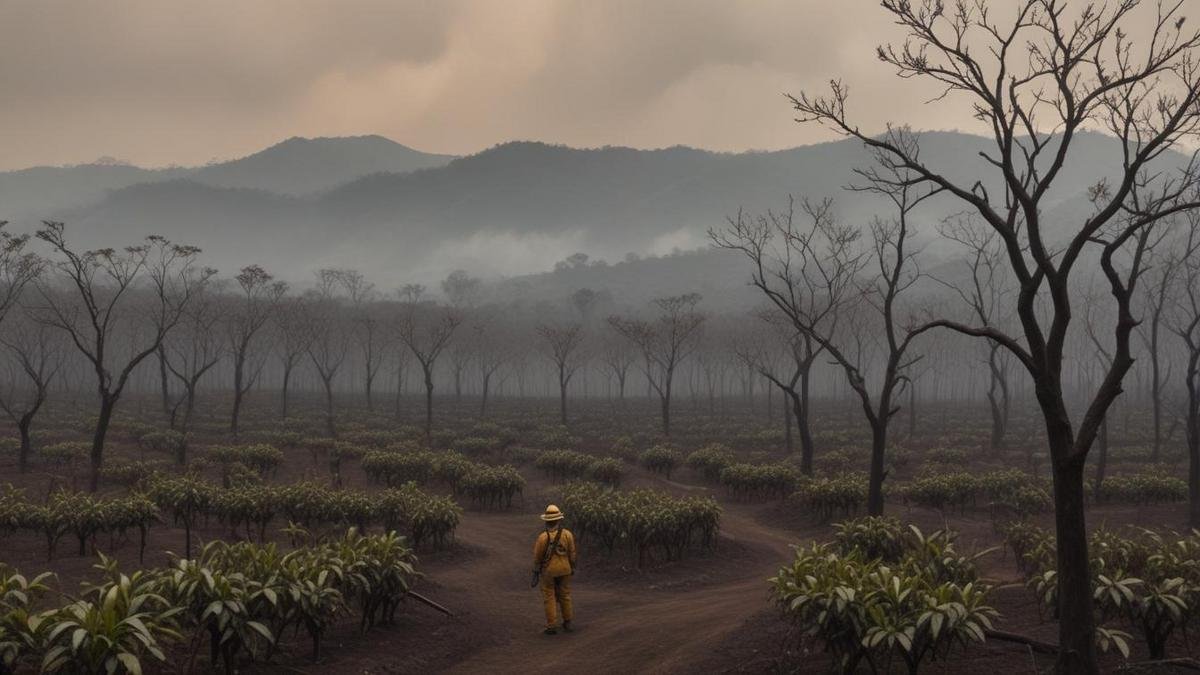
(556, 591)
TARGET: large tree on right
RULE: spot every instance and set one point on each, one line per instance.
(1036, 73)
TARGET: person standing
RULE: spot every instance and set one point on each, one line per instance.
(554, 558)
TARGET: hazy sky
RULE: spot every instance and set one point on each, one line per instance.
(159, 82)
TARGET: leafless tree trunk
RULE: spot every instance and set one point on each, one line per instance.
(664, 343)
(1184, 322)
(37, 355)
(327, 340)
(253, 307)
(1073, 71)
(564, 347)
(93, 294)
(426, 330)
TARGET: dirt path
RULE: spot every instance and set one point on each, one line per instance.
(621, 627)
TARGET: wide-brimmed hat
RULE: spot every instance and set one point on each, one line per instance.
(552, 514)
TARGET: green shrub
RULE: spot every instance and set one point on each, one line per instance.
(828, 497)
(1144, 488)
(761, 481)
(710, 460)
(396, 468)
(660, 459)
(892, 610)
(607, 470)
(564, 464)
(643, 520)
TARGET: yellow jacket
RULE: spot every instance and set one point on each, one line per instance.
(562, 560)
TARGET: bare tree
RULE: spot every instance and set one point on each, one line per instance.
(1072, 72)
(291, 342)
(402, 357)
(986, 296)
(617, 357)
(18, 268)
(36, 350)
(368, 327)
(95, 294)
(189, 351)
(255, 303)
(564, 347)
(1161, 270)
(491, 343)
(426, 330)
(664, 342)
(1100, 360)
(815, 289)
(1184, 322)
(327, 343)
(795, 381)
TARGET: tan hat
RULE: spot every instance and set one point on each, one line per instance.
(552, 513)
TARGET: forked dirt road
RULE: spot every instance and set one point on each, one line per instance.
(622, 626)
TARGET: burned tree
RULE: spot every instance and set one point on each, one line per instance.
(1184, 323)
(1073, 71)
(327, 342)
(142, 290)
(367, 327)
(819, 278)
(189, 352)
(664, 342)
(987, 296)
(291, 342)
(426, 329)
(795, 381)
(255, 302)
(564, 347)
(37, 353)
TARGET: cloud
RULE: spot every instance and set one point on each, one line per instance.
(161, 82)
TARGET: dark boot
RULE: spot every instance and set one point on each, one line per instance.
(567, 627)
(550, 631)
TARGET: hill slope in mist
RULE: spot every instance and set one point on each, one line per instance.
(521, 206)
(293, 167)
(300, 166)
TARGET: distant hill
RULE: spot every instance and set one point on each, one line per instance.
(299, 166)
(293, 167)
(517, 207)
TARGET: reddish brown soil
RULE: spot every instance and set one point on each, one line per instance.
(709, 613)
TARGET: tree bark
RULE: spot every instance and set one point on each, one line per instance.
(1075, 613)
(428, 404)
(107, 404)
(875, 487)
(287, 377)
(330, 428)
(239, 364)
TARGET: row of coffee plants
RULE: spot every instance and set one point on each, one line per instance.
(82, 515)
(710, 461)
(423, 517)
(831, 496)
(261, 457)
(660, 459)
(1141, 489)
(641, 521)
(881, 593)
(486, 486)
(759, 481)
(189, 501)
(1147, 581)
(573, 465)
(1008, 491)
(241, 598)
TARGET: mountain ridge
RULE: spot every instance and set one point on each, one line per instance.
(521, 206)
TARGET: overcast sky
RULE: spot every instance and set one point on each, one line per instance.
(157, 82)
